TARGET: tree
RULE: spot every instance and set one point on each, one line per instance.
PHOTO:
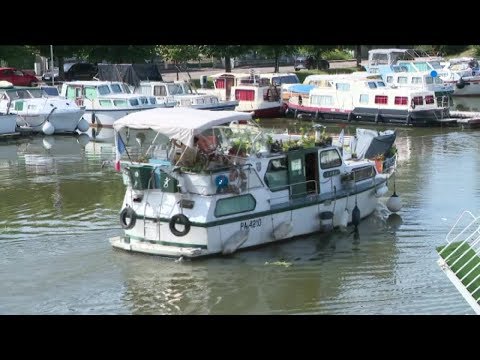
(179, 54)
(19, 56)
(225, 51)
(276, 51)
(316, 51)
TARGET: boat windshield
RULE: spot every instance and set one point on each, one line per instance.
(16, 94)
(175, 89)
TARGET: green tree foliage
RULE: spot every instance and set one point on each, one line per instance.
(179, 54)
(276, 51)
(316, 50)
(225, 51)
(19, 56)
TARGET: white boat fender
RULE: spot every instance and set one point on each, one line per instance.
(343, 222)
(235, 241)
(394, 203)
(128, 212)
(83, 125)
(48, 128)
(182, 220)
(380, 191)
(48, 143)
(282, 231)
(83, 139)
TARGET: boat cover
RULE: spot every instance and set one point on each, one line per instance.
(131, 74)
(179, 123)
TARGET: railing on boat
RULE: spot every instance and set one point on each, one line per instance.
(460, 259)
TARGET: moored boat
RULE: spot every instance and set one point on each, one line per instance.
(213, 184)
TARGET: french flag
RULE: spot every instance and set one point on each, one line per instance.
(120, 149)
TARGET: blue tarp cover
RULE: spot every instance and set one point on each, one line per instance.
(301, 88)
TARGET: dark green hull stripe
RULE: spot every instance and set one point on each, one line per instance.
(168, 243)
(296, 204)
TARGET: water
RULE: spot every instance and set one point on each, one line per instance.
(60, 204)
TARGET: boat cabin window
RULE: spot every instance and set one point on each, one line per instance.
(380, 84)
(244, 95)
(104, 90)
(321, 100)
(145, 89)
(134, 102)
(159, 90)
(389, 79)
(36, 93)
(363, 98)
(362, 173)
(105, 103)
(438, 80)
(120, 103)
(429, 99)
(72, 92)
(116, 88)
(402, 80)
(90, 92)
(126, 89)
(276, 176)
(330, 159)
(175, 89)
(235, 205)
(417, 100)
(287, 79)
(143, 100)
(153, 100)
(220, 84)
(401, 100)
(416, 80)
(51, 91)
(343, 86)
(381, 99)
(372, 85)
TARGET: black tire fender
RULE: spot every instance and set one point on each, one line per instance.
(128, 212)
(182, 220)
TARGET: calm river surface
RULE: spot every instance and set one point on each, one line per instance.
(60, 202)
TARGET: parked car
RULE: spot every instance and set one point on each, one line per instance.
(17, 77)
(308, 62)
(72, 71)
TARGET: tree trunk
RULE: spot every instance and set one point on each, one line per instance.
(61, 72)
(277, 62)
(358, 54)
(228, 64)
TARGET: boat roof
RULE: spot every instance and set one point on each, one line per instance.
(178, 123)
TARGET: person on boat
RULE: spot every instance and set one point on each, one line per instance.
(184, 155)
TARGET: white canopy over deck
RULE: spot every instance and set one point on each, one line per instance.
(179, 123)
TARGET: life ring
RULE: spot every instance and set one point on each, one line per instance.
(182, 220)
(130, 213)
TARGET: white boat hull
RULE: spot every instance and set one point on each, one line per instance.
(8, 124)
(64, 121)
(248, 231)
(106, 118)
